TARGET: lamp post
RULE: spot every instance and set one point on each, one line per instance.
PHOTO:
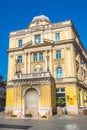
(47, 57)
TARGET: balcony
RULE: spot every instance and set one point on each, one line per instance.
(70, 80)
(33, 75)
(65, 80)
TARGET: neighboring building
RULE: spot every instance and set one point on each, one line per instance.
(2, 92)
(44, 60)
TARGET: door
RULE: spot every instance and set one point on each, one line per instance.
(31, 101)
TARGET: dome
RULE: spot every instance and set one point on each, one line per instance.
(41, 17)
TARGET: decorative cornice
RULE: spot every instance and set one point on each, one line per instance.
(17, 33)
(47, 42)
(71, 80)
(26, 45)
(32, 81)
(10, 86)
(82, 85)
(77, 46)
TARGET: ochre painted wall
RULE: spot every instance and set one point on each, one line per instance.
(10, 97)
(71, 96)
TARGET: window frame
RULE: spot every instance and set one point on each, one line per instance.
(62, 97)
(37, 39)
(35, 58)
(20, 59)
(20, 42)
(58, 54)
(57, 37)
(59, 72)
(41, 56)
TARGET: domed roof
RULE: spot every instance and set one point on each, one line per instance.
(40, 17)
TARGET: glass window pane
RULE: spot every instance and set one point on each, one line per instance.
(60, 94)
(40, 56)
(59, 73)
(35, 57)
(57, 37)
(19, 43)
(62, 89)
(58, 54)
(19, 59)
(37, 39)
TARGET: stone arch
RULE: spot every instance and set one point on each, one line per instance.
(38, 67)
(34, 87)
(31, 101)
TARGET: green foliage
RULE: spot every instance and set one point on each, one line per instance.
(13, 115)
(60, 101)
(28, 115)
(44, 116)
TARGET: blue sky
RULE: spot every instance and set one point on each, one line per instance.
(17, 14)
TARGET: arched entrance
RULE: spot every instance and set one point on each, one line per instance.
(31, 101)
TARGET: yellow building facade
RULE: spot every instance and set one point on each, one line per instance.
(46, 61)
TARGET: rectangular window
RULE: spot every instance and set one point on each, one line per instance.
(35, 58)
(60, 90)
(40, 56)
(58, 54)
(19, 59)
(37, 39)
(60, 94)
(57, 37)
(19, 43)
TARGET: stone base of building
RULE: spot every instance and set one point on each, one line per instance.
(72, 110)
(47, 111)
(14, 111)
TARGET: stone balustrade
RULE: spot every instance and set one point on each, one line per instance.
(66, 79)
(33, 75)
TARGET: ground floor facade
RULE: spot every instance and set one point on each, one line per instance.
(31, 96)
(40, 96)
(74, 95)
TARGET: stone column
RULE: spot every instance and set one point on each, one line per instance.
(81, 98)
(69, 60)
(10, 66)
(29, 62)
(25, 58)
(51, 61)
(67, 35)
(46, 62)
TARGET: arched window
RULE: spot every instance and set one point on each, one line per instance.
(59, 72)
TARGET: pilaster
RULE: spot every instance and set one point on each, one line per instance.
(50, 61)
(68, 61)
(29, 63)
